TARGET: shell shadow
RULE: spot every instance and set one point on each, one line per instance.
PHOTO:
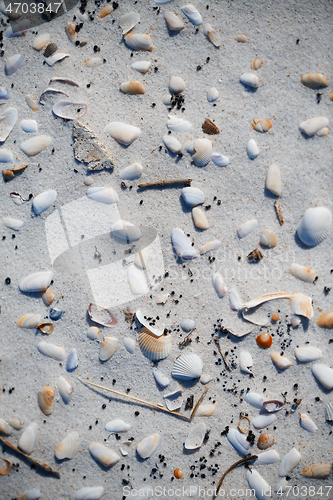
(307, 137)
(269, 194)
(252, 90)
(321, 387)
(300, 243)
(186, 209)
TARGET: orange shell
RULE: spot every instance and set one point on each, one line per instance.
(326, 320)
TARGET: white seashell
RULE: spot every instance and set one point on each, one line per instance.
(122, 133)
(69, 110)
(16, 423)
(33, 494)
(196, 437)
(234, 299)
(65, 389)
(303, 273)
(192, 14)
(28, 439)
(312, 126)
(141, 258)
(153, 347)
(72, 360)
(35, 145)
(219, 160)
(150, 325)
(174, 23)
(203, 152)
(268, 238)
(160, 378)
(257, 483)
(324, 374)
(52, 351)
(93, 62)
(280, 361)
(93, 333)
(289, 462)
(182, 245)
(6, 155)
(139, 41)
(205, 378)
(176, 85)
(212, 94)
(108, 348)
(246, 228)
(36, 282)
(301, 304)
(148, 445)
(129, 344)
(103, 455)
(128, 21)
(117, 425)
(255, 400)
(238, 441)
(295, 321)
(262, 421)
(40, 41)
(29, 321)
(329, 412)
(133, 87)
(211, 245)
(307, 423)
(245, 361)
(273, 180)
(250, 80)
(31, 102)
(68, 447)
(29, 126)
(318, 471)
(5, 428)
(252, 149)
(131, 172)
(3, 93)
(187, 325)
(176, 124)
(13, 224)
(256, 63)
(57, 56)
(192, 196)
(102, 194)
(187, 367)
(137, 280)
(172, 143)
(43, 201)
(48, 297)
(90, 493)
(206, 410)
(174, 400)
(14, 63)
(211, 34)
(314, 226)
(162, 298)
(141, 66)
(7, 122)
(307, 353)
(323, 132)
(267, 457)
(219, 286)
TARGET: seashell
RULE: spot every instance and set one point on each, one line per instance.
(30, 321)
(264, 340)
(102, 194)
(238, 441)
(187, 367)
(314, 226)
(303, 273)
(126, 231)
(211, 245)
(280, 361)
(245, 361)
(133, 87)
(65, 389)
(137, 280)
(148, 445)
(268, 238)
(117, 426)
(29, 126)
(219, 160)
(50, 50)
(14, 63)
(182, 245)
(268, 457)
(36, 282)
(93, 62)
(265, 441)
(106, 11)
(176, 124)
(71, 32)
(33, 494)
(6, 155)
(246, 228)
(323, 132)
(295, 321)
(195, 437)
(129, 344)
(40, 41)
(307, 423)
(192, 14)
(326, 320)
(254, 399)
(69, 110)
(312, 126)
(314, 80)
(176, 85)
(28, 439)
(234, 299)
(141, 66)
(258, 484)
(172, 143)
(252, 149)
(56, 57)
(160, 378)
(199, 218)
(13, 224)
(43, 201)
(209, 127)
(273, 180)
(35, 145)
(289, 462)
(205, 378)
(174, 23)
(46, 400)
(262, 421)
(7, 122)
(301, 304)
(192, 196)
(108, 348)
(56, 314)
(128, 21)
(31, 102)
(5, 428)
(261, 125)
(3, 93)
(219, 286)
(206, 410)
(174, 400)
(211, 35)
(203, 152)
(103, 455)
(48, 296)
(149, 323)
(72, 360)
(162, 298)
(256, 63)
(52, 351)
(255, 255)
(153, 346)
(94, 492)
(139, 41)
(122, 133)
(187, 325)
(212, 94)
(317, 471)
(16, 423)
(93, 333)
(61, 79)
(324, 374)
(249, 80)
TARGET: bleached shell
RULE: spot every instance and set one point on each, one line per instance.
(35, 145)
(245, 361)
(69, 110)
(72, 360)
(93, 62)
(273, 180)
(193, 196)
(203, 152)
(103, 455)
(29, 321)
(195, 437)
(187, 325)
(128, 21)
(268, 238)
(257, 483)
(219, 286)
(108, 348)
(326, 320)
(102, 194)
(33, 494)
(14, 63)
(182, 245)
(177, 85)
(323, 132)
(129, 344)
(205, 378)
(68, 447)
(123, 133)
(211, 245)
(289, 462)
(307, 353)
(307, 423)
(148, 445)
(139, 41)
(312, 126)
(187, 367)
(255, 400)
(133, 87)
(246, 228)
(268, 457)
(36, 282)
(141, 66)
(153, 347)
(261, 125)
(176, 124)
(280, 361)
(65, 389)
(29, 126)
(172, 143)
(117, 425)
(40, 41)
(31, 102)
(256, 63)
(90, 493)
(302, 273)
(162, 298)
(174, 22)
(324, 374)
(314, 225)
(212, 94)
(48, 297)
(137, 280)
(314, 80)
(262, 421)
(93, 332)
(6, 155)
(28, 439)
(150, 325)
(295, 321)
(317, 471)
(234, 299)
(58, 56)
(131, 172)
(43, 201)
(13, 224)
(252, 149)
(250, 80)
(160, 378)
(238, 441)
(16, 423)
(106, 11)
(3, 93)
(174, 400)
(7, 122)
(52, 351)
(219, 160)
(211, 34)
(71, 32)
(46, 400)
(206, 410)
(5, 428)
(192, 14)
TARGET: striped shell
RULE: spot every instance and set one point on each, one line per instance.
(139, 41)
(187, 367)
(28, 439)
(65, 389)
(103, 455)
(46, 400)
(35, 145)
(148, 445)
(36, 282)
(132, 87)
(52, 351)
(289, 462)
(154, 347)
(203, 152)
(43, 201)
(318, 471)
(265, 441)
(102, 194)
(314, 226)
(68, 447)
(256, 63)
(29, 321)
(326, 320)
(192, 196)
(174, 22)
(261, 125)
(177, 85)
(314, 80)
(192, 14)
(212, 94)
(14, 63)
(238, 441)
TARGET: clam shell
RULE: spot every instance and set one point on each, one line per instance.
(307, 423)
(206, 410)
(31, 102)
(258, 484)
(48, 297)
(46, 400)
(6, 156)
(265, 441)
(261, 125)
(289, 462)
(5, 429)
(40, 41)
(187, 325)
(176, 85)
(141, 66)
(29, 126)
(90, 493)
(249, 80)
(262, 421)
(268, 457)
(256, 63)
(252, 149)
(172, 143)
(13, 224)
(312, 126)
(14, 63)
(126, 231)
(314, 80)
(43, 201)
(122, 133)
(307, 353)
(192, 196)
(246, 228)
(268, 238)
(195, 437)
(139, 41)
(148, 445)
(212, 94)
(160, 378)
(318, 471)
(187, 367)
(36, 282)
(128, 21)
(219, 160)
(273, 180)
(326, 320)
(174, 23)
(131, 172)
(174, 400)
(211, 245)
(303, 273)
(35, 145)
(234, 300)
(52, 351)
(324, 374)
(56, 57)
(203, 152)
(238, 441)
(254, 399)
(176, 124)
(93, 333)
(132, 87)
(16, 423)
(102, 194)
(93, 62)
(71, 32)
(72, 360)
(129, 344)
(211, 34)
(137, 280)
(65, 389)
(33, 494)
(7, 122)
(117, 425)
(314, 226)
(106, 11)
(68, 447)
(192, 14)
(182, 245)
(28, 439)
(108, 348)
(154, 347)
(69, 110)
(245, 361)
(50, 50)
(219, 286)
(323, 132)
(280, 361)
(103, 455)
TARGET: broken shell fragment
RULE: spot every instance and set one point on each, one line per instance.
(307, 353)
(211, 34)
(28, 439)
(246, 228)
(71, 32)
(50, 49)
(324, 374)
(174, 400)
(52, 351)
(40, 41)
(36, 282)
(160, 378)
(7, 122)
(133, 87)
(13, 224)
(48, 297)
(303, 273)
(129, 344)
(54, 58)
(219, 160)
(301, 304)
(211, 245)
(307, 423)
(90, 493)
(192, 14)
(314, 226)
(5, 429)
(43, 201)
(314, 80)
(68, 110)
(252, 149)
(139, 41)
(72, 361)
(103, 455)
(174, 22)
(209, 127)
(268, 457)
(256, 63)
(199, 218)
(318, 471)
(234, 299)
(29, 126)
(31, 102)
(187, 367)
(93, 62)
(141, 66)
(176, 85)
(176, 124)
(128, 21)
(14, 63)
(117, 426)
(312, 126)
(262, 421)
(154, 347)
(212, 94)
(102, 194)
(326, 320)
(108, 348)
(263, 125)
(193, 196)
(255, 400)
(6, 156)
(183, 245)
(148, 445)
(46, 400)
(172, 143)
(245, 361)
(106, 11)
(249, 80)
(68, 447)
(11, 173)
(265, 441)
(206, 410)
(65, 389)
(289, 462)
(280, 361)
(131, 172)
(255, 255)
(196, 437)
(273, 180)
(36, 145)
(123, 133)
(268, 238)
(219, 286)
(258, 484)
(238, 441)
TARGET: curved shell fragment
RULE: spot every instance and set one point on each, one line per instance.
(69, 110)
(219, 286)
(40, 41)
(65, 389)
(141, 66)
(258, 484)
(193, 196)
(326, 320)
(108, 9)
(256, 63)
(102, 194)
(289, 462)
(52, 351)
(139, 41)
(182, 245)
(303, 273)
(14, 63)
(176, 124)
(307, 353)
(211, 245)
(43, 201)
(7, 122)
(108, 348)
(324, 374)
(93, 62)
(128, 21)
(46, 400)
(212, 94)
(28, 439)
(132, 172)
(262, 421)
(307, 423)
(238, 441)
(29, 126)
(195, 437)
(35, 145)
(117, 425)
(13, 224)
(148, 445)
(56, 57)
(172, 143)
(245, 361)
(246, 228)
(261, 125)
(273, 180)
(301, 304)
(123, 133)
(280, 361)
(212, 35)
(68, 447)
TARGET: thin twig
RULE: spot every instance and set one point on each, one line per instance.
(216, 340)
(242, 461)
(195, 409)
(161, 408)
(164, 182)
(33, 460)
(186, 340)
(279, 212)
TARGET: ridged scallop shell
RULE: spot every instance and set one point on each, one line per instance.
(280, 361)
(262, 421)
(314, 226)
(307, 423)
(28, 439)
(307, 353)
(187, 367)
(36, 145)
(256, 63)
(219, 160)
(303, 273)
(199, 218)
(40, 41)
(324, 374)
(172, 143)
(50, 49)
(69, 110)
(7, 122)
(258, 484)
(203, 151)
(90, 493)
(108, 348)
(6, 156)
(133, 87)
(182, 245)
(177, 85)
(250, 80)
(212, 35)
(234, 299)
(36, 282)
(268, 238)
(192, 196)
(52, 351)
(273, 180)
(245, 361)
(29, 126)
(289, 462)
(238, 441)
(265, 441)
(126, 231)
(43, 201)
(246, 228)
(103, 455)
(29, 321)
(318, 471)
(106, 11)
(68, 447)
(93, 62)
(65, 389)
(176, 124)
(117, 425)
(314, 80)
(261, 125)
(195, 437)
(72, 361)
(31, 102)
(131, 172)
(14, 63)
(139, 41)
(219, 286)
(212, 94)
(252, 149)
(312, 126)
(211, 245)
(5, 429)
(160, 378)
(255, 400)
(174, 22)
(141, 66)
(209, 127)
(123, 133)
(192, 14)
(206, 410)
(326, 320)
(148, 445)
(128, 21)
(268, 457)
(33, 494)
(102, 194)
(154, 347)
(46, 400)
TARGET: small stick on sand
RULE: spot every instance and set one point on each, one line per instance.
(165, 182)
(242, 461)
(216, 340)
(279, 212)
(197, 404)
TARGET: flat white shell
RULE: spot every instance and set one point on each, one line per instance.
(7, 122)
(148, 445)
(187, 325)
(257, 483)
(199, 218)
(206, 409)
(289, 462)
(29, 126)
(69, 110)
(103, 455)
(324, 374)
(172, 143)
(281, 362)
(312, 126)
(117, 425)
(52, 351)
(126, 231)
(36, 145)
(129, 344)
(29, 320)
(13, 224)
(65, 389)
(219, 286)
(267, 457)
(177, 85)
(307, 423)
(254, 399)
(131, 172)
(250, 80)
(210, 245)
(196, 437)
(234, 299)
(108, 348)
(14, 63)
(193, 196)
(89, 493)
(139, 41)
(252, 149)
(245, 361)
(36, 282)
(160, 378)
(28, 439)
(182, 245)
(103, 194)
(219, 160)
(212, 94)
(128, 21)
(303, 273)
(314, 226)
(68, 447)
(192, 14)
(238, 441)
(72, 360)
(262, 421)
(273, 180)
(174, 400)
(6, 156)
(187, 367)
(43, 201)
(123, 133)
(152, 328)
(176, 124)
(141, 66)
(174, 23)
(246, 228)
(137, 280)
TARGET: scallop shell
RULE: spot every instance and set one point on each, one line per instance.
(7, 122)
(249, 80)
(56, 57)
(314, 80)
(273, 180)
(176, 85)
(326, 320)
(43, 201)
(262, 421)
(14, 63)
(174, 23)
(52, 351)
(196, 437)
(148, 445)
(252, 149)
(193, 196)
(318, 471)
(102, 194)
(307, 353)
(154, 347)
(268, 457)
(211, 34)
(5, 428)
(182, 245)
(128, 21)
(29, 126)
(93, 62)
(129, 344)
(192, 14)
(139, 41)
(160, 378)
(280, 361)
(312, 126)
(234, 299)
(206, 410)
(31, 102)
(211, 245)
(65, 389)
(13, 224)
(108, 348)
(46, 400)
(172, 143)
(219, 160)
(103, 455)
(106, 11)
(48, 297)
(255, 400)
(256, 63)
(238, 441)
(36, 145)
(90, 493)
(307, 423)
(219, 286)
(72, 360)
(131, 172)
(265, 441)
(133, 87)
(36, 282)
(212, 94)
(324, 374)
(187, 367)
(176, 124)
(268, 238)
(40, 41)
(122, 133)
(69, 110)
(246, 228)
(289, 462)
(28, 439)
(258, 484)
(68, 447)
(314, 226)
(187, 325)
(117, 426)
(126, 231)
(50, 50)
(33, 494)
(203, 151)
(16, 423)
(245, 361)
(141, 66)
(71, 32)
(199, 218)
(263, 125)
